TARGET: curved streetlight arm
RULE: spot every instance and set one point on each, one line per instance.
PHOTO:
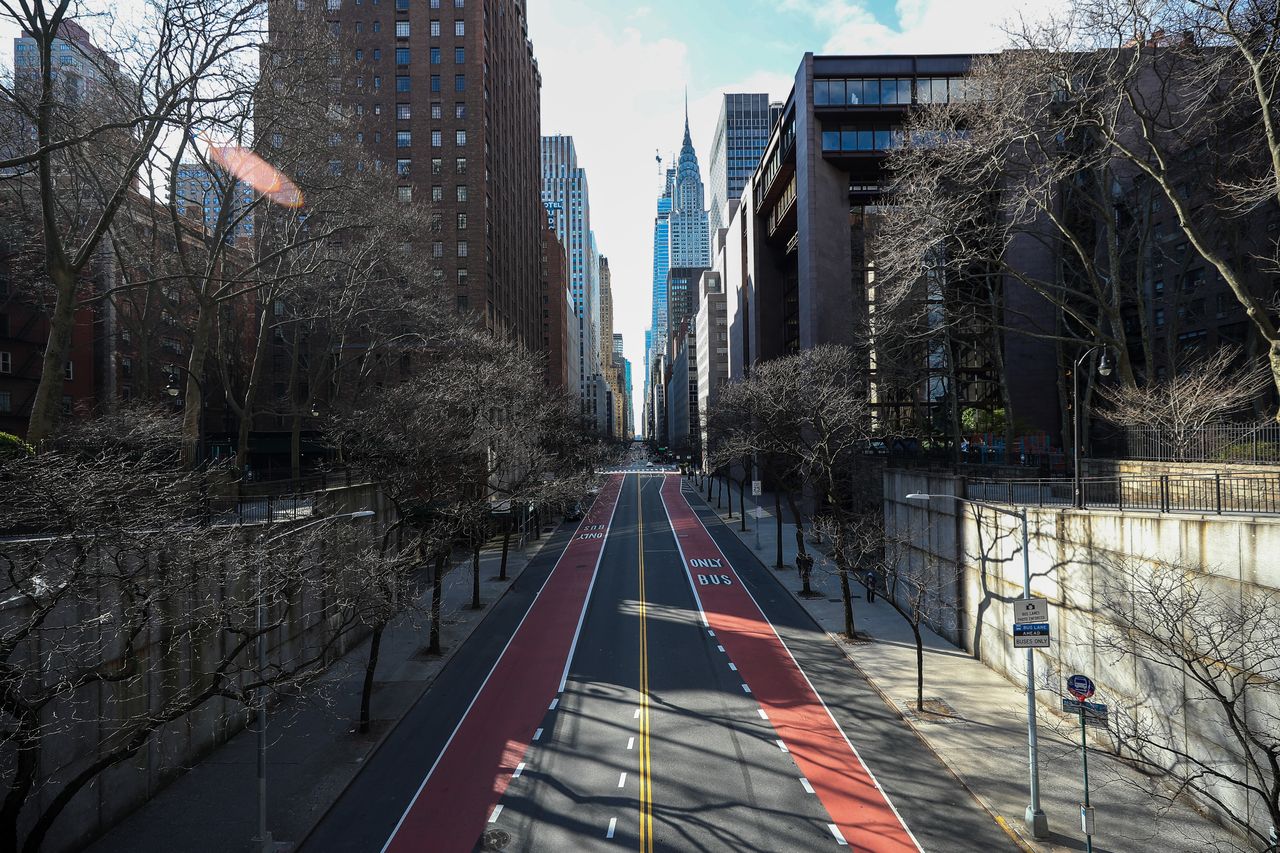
(1016, 513)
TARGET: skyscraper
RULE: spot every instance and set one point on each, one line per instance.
(736, 149)
(690, 243)
(567, 198)
(200, 197)
(462, 134)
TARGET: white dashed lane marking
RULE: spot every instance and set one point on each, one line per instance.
(622, 780)
(835, 830)
(782, 746)
(554, 703)
(733, 666)
(518, 771)
(497, 810)
(537, 735)
(631, 743)
(613, 824)
(746, 689)
(804, 783)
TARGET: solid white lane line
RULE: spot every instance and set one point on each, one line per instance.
(613, 824)
(762, 714)
(554, 703)
(537, 735)
(782, 746)
(746, 689)
(804, 783)
(637, 714)
(622, 780)
(721, 648)
(573, 647)
(497, 810)
(733, 666)
(631, 743)
(518, 771)
(835, 830)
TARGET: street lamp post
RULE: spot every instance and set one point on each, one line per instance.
(1104, 369)
(1034, 817)
(174, 391)
(264, 839)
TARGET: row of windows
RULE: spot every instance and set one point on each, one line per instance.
(404, 138)
(405, 111)
(889, 90)
(404, 165)
(402, 28)
(867, 137)
(401, 5)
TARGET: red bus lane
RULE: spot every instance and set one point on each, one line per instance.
(464, 785)
(863, 815)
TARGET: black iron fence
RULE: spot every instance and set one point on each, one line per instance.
(1232, 443)
(1255, 494)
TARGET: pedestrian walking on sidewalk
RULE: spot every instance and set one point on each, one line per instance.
(870, 580)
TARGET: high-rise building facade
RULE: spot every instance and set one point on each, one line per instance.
(712, 335)
(451, 98)
(200, 197)
(741, 135)
(567, 198)
(690, 242)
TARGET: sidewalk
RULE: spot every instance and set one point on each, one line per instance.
(983, 737)
(313, 749)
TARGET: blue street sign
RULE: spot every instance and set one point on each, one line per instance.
(1095, 713)
(1080, 686)
(1034, 635)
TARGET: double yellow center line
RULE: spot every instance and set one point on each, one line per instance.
(646, 782)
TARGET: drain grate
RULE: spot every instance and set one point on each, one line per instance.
(495, 839)
(936, 710)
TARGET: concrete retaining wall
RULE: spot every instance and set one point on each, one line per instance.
(1073, 556)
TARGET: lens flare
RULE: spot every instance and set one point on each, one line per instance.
(251, 169)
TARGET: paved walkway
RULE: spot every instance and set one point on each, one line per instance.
(984, 741)
(314, 750)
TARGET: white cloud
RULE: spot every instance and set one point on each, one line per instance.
(922, 26)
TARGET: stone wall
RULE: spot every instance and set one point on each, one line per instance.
(124, 787)
(1072, 557)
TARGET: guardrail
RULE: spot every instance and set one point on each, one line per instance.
(1252, 494)
(1231, 443)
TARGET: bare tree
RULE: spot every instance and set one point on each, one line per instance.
(89, 141)
(1202, 393)
(1222, 643)
(114, 582)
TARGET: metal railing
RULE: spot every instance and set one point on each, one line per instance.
(1232, 443)
(1253, 494)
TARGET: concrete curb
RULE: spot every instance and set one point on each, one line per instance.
(426, 685)
(1014, 835)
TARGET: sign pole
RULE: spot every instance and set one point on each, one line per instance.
(1086, 813)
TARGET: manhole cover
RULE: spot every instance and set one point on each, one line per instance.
(495, 839)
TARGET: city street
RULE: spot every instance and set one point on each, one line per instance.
(660, 693)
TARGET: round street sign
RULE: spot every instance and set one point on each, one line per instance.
(1080, 687)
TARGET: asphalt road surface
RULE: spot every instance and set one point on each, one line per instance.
(651, 686)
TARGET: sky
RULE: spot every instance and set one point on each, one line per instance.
(614, 76)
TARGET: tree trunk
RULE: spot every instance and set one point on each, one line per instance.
(719, 493)
(506, 544)
(437, 590)
(366, 694)
(742, 504)
(846, 594)
(729, 493)
(795, 513)
(708, 481)
(777, 512)
(915, 630)
(193, 403)
(21, 782)
(251, 390)
(475, 575)
(46, 408)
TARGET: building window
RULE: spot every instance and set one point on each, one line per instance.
(435, 82)
(436, 111)
(402, 29)
(437, 138)
(377, 54)
(458, 4)
(377, 26)
(402, 5)
(404, 138)
(403, 112)
(1159, 316)
(6, 362)
(460, 83)
(462, 278)
(402, 167)
(462, 165)
(435, 56)
(377, 83)
(437, 193)
(459, 56)
(461, 137)
(435, 28)
(402, 56)
(437, 167)
(460, 109)
(402, 83)
(462, 222)
(437, 249)
(6, 402)
(404, 193)
(462, 248)
(462, 192)
(377, 109)
(459, 28)
(359, 54)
